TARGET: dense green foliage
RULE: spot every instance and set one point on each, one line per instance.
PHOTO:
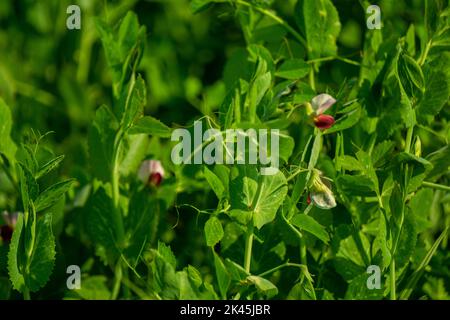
(363, 181)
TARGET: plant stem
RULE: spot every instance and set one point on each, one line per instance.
(26, 294)
(312, 82)
(409, 135)
(287, 264)
(117, 280)
(435, 186)
(115, 190)
(392, 279)
(248, 250)
(423, 57)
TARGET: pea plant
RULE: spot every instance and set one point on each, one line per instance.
(283, 184)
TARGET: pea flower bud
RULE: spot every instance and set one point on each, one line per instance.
(320, 191)
(7, 229)
(151, 172)
(319, 104)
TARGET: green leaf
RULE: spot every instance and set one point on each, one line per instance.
(346, 121)
(407, 242)
(135, 152)
(141, 224)
(51, 195)
(358, 185)
(236, 271)
(396, 204)
(165, 278)
(99, 222)
(7, 146)
(309, 224)
(264, 286)
(358, 289)
(41, 261)
(199, 5)
(437, 91)
(94, 288)
(128, 33)
(293, 69)
(349, 163)
(414, 278)
(112, 52)
(101, 142)
(410, 76)
(16, 256)
(440, 159)
(420, 169)
(319, 21)
(261, 194)
(29, 188)
(151, 126)
(135, 106)
(213, 231)
(214, 182)
(223, 277)
(49, 166)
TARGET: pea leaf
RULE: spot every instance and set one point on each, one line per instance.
(223, 277)
(42, 259)
(141, 224)
(437, 91)
(215, 182)
(260, 194)
(7, 146)
(319, 21)
(151, 126)
(101, 143)
(213, 231)
(346, 121)
(136, 103)
(264, 286)
(51, 195)
(309, 224)
(358, 185)
(49, 166)
(98, 219)
(293, 69)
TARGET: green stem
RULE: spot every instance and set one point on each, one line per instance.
(117, 216)
(117, 280)
(392, 280)
(423, 57)
(435, 186)
(287, 264)
(409, 135)
(248, 251)
(26, 294)
(312, 82)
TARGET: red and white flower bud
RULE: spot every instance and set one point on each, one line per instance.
(320, 104)
(151, 172)
(323, 121)
(10, 221)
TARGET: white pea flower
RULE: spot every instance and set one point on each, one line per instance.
(151, 172)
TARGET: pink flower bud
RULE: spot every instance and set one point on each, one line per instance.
(323, 121)
(322, 103)
(151, 172)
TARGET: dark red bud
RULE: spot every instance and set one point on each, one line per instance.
(323, 121)
(6, 233)
(308, 200)
(155, 179)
